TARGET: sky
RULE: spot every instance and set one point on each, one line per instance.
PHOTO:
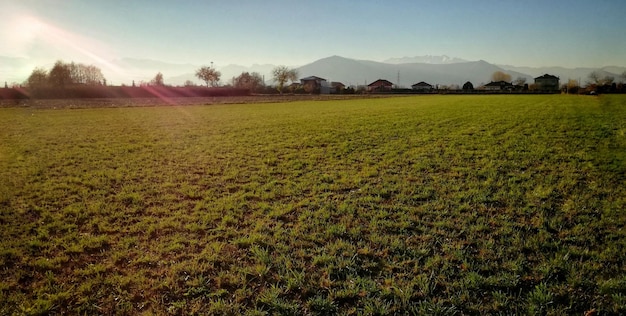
(532, 33)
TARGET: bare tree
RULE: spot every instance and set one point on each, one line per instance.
(65, 74)
(596, 78)
(76, 73)
(85, 74)
(281, 74)
(157, 80)
(60, 74)
(252, 81)
(37, 79)
(500, 76)
(93, 75)
(209, 75)
(189, 83)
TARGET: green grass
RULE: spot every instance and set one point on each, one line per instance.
(412, 205)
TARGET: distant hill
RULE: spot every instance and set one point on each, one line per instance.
(614, 69)
(436, 70)
(441, 70)
(359, 72)
(427, 59)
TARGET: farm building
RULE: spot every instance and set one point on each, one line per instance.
(468, 86)
(337, 87)
(380, 85)
(498, 86)
(422, 86)
(313, 84)
(547, 82)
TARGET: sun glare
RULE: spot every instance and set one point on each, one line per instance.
(28, 28)
(20, 33)
(27, 35)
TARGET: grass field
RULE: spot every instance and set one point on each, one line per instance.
(411, 205)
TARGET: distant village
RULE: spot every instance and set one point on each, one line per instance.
(542, 84)
(71, 80)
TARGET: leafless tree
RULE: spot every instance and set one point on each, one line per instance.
(65, 74)
(93, 75)
(85, 74)
(281, 74)
(157, 80)
(596, 78)
(37, 79)
(209, 75)
(60, 74)
(252, 81)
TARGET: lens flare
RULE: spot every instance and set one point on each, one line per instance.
(29, 36)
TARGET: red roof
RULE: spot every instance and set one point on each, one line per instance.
(380, 82)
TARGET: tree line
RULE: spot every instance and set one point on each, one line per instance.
(77, 80)
(64, 75)
(251, 81)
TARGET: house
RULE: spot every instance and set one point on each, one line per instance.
(422, 86)
(337, 87)
(380, 85)
(499, 86)
(313, 84)
(547, 83)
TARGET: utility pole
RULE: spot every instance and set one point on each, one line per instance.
(398, 82)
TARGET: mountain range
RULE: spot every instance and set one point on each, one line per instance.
(426, 59)
(403, 72)
(438, 70)
(362, 72)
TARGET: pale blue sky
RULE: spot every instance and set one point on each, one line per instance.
(523, 33)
